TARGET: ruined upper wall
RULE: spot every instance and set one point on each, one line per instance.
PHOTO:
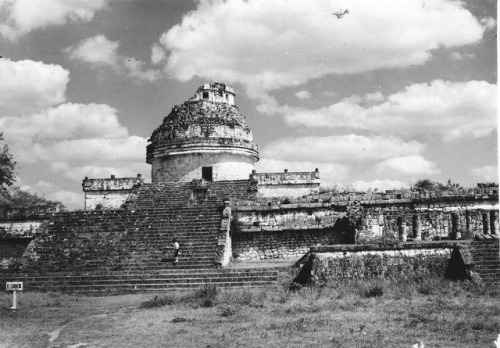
(426, 199)
(364, 218)
(109, 193)
(111, 184)
(286, 178)
(36, 211)
(286, 184)
(216, 93)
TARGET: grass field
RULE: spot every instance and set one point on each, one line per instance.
(390, 313)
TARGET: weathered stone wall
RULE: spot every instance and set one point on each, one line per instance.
(188, 166)
(105, 199)
(14, 229)
(109, 193)
(287, 184)
(365, 261)
(37, 211)
(281, 245)
(215, 92)
(15, 235)
(286, 217)
(379, 218)
(285, 231)
(12, 249)
(290, 190)
(401, 222)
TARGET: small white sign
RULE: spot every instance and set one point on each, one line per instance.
(14, 286)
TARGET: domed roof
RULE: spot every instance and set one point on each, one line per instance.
(208, 122)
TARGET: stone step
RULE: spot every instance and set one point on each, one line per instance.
(150, 277)
(115, 282)
(126, 288)
(170, 272)
(160, 266)
(487, 266)
(132, 268)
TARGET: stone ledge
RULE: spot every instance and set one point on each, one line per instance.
(281, 207)
(111, 184)
(383, 247)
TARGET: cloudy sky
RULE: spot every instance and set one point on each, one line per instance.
(373, 93)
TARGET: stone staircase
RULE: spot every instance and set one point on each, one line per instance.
(485, 252)
(122, 250)
(147, 280)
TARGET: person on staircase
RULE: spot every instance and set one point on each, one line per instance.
(176, 252)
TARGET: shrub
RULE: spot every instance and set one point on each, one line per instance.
(180, 320)
(206, 294)
(227, 311)
(310, 294)
(247, 297)
(283, 295)
(374, 291)
(159, 301)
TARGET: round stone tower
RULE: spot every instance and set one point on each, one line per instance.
(206, 137)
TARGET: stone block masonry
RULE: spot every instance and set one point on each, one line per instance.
(287, 184)
(334, 262)
(109, 193)
(284, 227)
(286, 230)
(330, 263)
(15, 236)
(408, 221)
(280, 245)
(19, 229)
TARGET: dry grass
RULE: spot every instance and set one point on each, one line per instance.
(377, 313)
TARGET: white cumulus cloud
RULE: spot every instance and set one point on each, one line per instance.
(73, 136)
(76, 140)
(66, 121)
(340, 148)
(444, 108)
(380, 185)
(96, 50)
(77, 172)
(94, 150)
(303, 94)
(27, 86)
(71, 200)
(20, 17)
(413, 165)
(487, 172)
(157, 53)
(99, 51)
(266, 45)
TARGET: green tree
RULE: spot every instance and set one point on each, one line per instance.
(486, 184)
(7, 165)
(428, 185)
(13, 196)
(19, 198)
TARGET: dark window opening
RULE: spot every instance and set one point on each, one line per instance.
(206, 173)
(205, 95)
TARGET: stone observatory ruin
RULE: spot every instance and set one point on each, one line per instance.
(204, 138)
(233, 223)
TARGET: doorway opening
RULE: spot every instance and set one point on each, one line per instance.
(207, 173)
